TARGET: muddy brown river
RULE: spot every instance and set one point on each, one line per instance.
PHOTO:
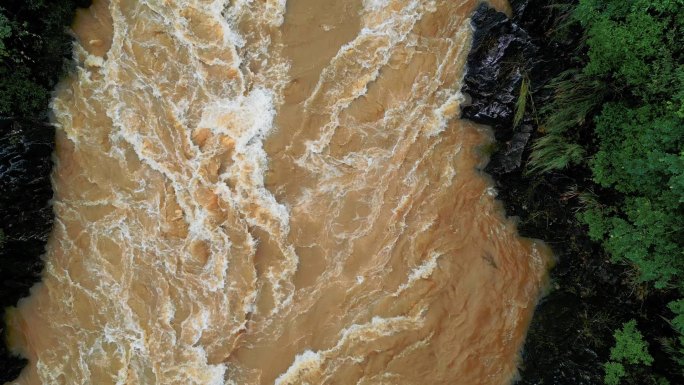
(271, 192)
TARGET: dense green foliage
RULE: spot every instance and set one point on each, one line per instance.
(33, 48)
(630, 349)
(636, 49)
(640, 157)
(621, 116)
(634, 77)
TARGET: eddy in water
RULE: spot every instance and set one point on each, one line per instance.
(262, 192)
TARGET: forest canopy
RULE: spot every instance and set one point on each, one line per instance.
(620, 115)
(34, 48)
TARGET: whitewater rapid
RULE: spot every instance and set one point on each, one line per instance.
(262, 192)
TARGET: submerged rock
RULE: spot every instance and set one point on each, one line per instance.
(510, 153)
(26, 217)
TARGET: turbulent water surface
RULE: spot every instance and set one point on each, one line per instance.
(262, 192)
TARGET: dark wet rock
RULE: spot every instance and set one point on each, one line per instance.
(501, 55)
(540, 18)
(505, 51)
(26, 216)
(509, 156)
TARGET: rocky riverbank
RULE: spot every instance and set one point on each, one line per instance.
(26, 216)
(572, 330)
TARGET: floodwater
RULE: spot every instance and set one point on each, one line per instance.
(255, 192)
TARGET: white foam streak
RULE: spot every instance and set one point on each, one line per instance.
(422, 272)
(311, 363)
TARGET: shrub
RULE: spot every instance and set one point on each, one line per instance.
(630, 349)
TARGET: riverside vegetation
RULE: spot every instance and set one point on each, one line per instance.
(34, 46)
(617, 116)
(34, 51)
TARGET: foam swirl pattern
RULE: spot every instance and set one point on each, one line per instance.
(255, 192)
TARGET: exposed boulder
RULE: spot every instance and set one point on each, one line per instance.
(501, 56)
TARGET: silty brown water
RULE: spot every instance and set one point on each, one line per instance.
(255, 192)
